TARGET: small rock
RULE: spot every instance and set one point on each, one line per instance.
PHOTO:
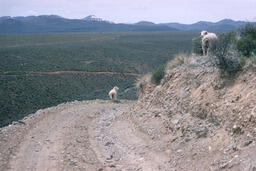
(175, 121)
(238, 97)
(179, 151)
(112, 166)
(236, 129)
(201, 133)
(37, 150)
(109, 158)
(249, 135)
(234, 147)
(109, 143)
(210, 148)
(157, 115)
(248, 142)
(187, 139)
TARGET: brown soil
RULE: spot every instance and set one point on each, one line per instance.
(202, 120)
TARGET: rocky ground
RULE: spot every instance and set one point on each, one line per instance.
(204, 120)
(193, 120)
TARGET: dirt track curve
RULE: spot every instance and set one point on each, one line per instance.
(88, 135)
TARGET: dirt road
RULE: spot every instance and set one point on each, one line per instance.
(88, 135)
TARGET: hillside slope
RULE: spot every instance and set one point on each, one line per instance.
(202, 121)
(57, 24)
(224, 25)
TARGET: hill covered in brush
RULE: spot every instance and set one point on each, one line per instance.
(58, 24)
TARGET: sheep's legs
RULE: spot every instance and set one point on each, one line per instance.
(208, 50)
(204, 50)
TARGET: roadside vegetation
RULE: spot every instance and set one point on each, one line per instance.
(232, 51)
(158, 75)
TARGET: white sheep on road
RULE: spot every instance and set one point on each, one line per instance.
(209, 41)
(113, 94)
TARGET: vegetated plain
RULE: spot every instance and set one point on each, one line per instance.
(88, 65)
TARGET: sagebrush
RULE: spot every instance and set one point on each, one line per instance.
(158, 75)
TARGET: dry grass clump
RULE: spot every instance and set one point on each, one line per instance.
(158, 75)
(142, 81)
(143, 84)
(178, 60)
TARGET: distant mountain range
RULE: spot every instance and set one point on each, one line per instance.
(220, 26)
(58, 24)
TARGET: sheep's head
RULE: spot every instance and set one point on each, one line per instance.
(203, 33)
(116, 88)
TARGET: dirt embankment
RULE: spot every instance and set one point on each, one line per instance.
(203, 121)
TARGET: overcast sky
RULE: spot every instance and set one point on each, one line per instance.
(128, 11)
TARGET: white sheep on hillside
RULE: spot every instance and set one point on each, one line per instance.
(209, 41)
(113, 93)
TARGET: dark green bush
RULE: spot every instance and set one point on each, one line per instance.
(158, 75)
(227, 56)
(225, 45)
(197, 47)
(247, 44)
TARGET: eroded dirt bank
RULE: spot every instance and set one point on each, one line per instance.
(203, 119)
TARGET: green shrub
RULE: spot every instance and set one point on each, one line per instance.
(225, 45)
(247, 44)
(253, 58)
(197, 47)
(158, 75)
(227, 56)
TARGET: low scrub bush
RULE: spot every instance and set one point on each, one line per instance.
(142, 81)
(197, 47)
(158, 75)
(247, 43)
(228, 59)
